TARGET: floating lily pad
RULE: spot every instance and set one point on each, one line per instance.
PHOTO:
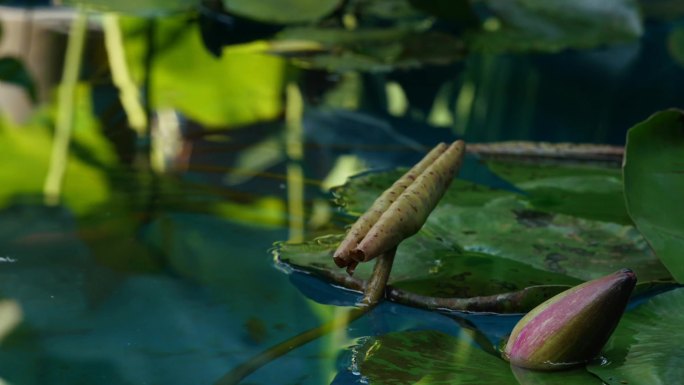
(432, 358)
(510, 226)
(433, 267)
(13, 71)
(654, 185)
(646, 348)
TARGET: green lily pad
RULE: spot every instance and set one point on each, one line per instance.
(654, 185)
(511, 226)
(646, 348)
(431, 266)
(552, 26)
(433, 358)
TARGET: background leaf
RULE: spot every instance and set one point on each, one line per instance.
(282, 11)
(509, 225)
(522, 25)
(654, 185)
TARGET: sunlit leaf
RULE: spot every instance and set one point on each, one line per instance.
(646, 348)
(282, 11)
(654, 183)
(539, 25)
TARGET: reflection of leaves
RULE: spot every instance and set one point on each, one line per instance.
(432, 267)
(654, 183)
(375, 49)
(646, 347)
(281, 11)
(12, 70)
(556, 25)
(237, 89)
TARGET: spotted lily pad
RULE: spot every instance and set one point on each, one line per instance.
(481, 241)
(527, 227)
(646, 348)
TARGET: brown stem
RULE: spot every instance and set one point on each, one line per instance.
(375, 287)
(512, 302)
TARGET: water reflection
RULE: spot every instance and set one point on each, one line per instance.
(144, 180)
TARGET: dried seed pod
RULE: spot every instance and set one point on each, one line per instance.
(571, 328)
(409, 212)
(362, 225)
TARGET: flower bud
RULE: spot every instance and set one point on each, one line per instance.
(570, 328)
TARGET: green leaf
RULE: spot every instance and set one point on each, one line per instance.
(433, 358)
(12, 70)
(432, 266)
(282, 11)
(646, 348)
(654, 185)
(135, 7)
(374, 49)
(540, 25)
(508, 225)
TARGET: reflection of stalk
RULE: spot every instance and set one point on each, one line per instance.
(295, 153)
(128, 92)
(65, 112)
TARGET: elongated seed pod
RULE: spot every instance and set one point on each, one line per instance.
(407, 214)
(360, 228)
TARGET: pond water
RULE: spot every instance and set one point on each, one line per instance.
(139, 251)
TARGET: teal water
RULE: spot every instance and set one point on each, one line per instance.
(146, 276)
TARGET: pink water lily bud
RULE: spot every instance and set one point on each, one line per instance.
(570, 328)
